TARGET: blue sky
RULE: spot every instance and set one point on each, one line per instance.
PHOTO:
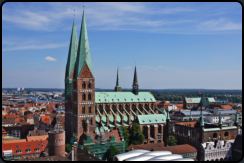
(175, 45)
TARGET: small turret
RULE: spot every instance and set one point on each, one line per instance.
(135, 83)
(117, 87)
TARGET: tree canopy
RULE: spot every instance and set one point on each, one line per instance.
(43, 110)
(171, 141)
(112, 151)
(136, 136)
(27, 112)
(126, 134)
(67, 148)
(56, 105)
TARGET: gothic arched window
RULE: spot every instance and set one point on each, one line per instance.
(89, 85)
(83, 85)
(90, 109)
(91, 121)
(83, 96)
(83, 109)
(89, 96)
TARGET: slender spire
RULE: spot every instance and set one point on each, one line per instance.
(220, 120)
(117, 81)
(167, 116)
(83, 53)
(190, 115)
(72, 51)
(236, 118)
(201, 123)
(135, 82)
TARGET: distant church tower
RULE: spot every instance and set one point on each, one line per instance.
(117, 87)
(135, 84)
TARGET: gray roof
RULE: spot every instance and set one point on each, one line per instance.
(195, 113)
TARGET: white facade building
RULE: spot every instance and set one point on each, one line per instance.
(219, 151)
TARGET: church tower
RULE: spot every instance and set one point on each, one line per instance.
(135, 84)
(83, 87)
(117, 87)
(69, 74)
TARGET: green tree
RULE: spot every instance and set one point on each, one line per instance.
(112, 151)
(27, 112)
(136, 136)
(43, 110)
(67, 148)
(171, 141)
(39, 104)
(56, 105)
(87, 149)
(37, 110)
(126, 136)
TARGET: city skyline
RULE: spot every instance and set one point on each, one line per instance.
(176, 45)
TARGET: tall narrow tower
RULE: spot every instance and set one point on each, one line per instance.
(135, 83)
(83, 86)
(69, 74)
(117, 87)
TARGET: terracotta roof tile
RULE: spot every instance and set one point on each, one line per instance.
(46, 119)
(226, 107)
(177, 149)
(34, 138)
(23, 146)
(14, 141)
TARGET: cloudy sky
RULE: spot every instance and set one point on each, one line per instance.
(175, 45)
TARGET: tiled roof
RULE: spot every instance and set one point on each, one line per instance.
(145, 146)
(180, 106)
(38, 138)
(226, 107)
(46, 119)
(14, 141)
(177, 149)
(28, 116)
(48, 158)
(23, 146)
(10, 116)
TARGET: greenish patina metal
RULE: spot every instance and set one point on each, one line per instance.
(151, 119)
(236, 118)
(198, 99)
(123, 97)
(190, 115)
(167, 115)
(70, 65)
(87, 121)
(189, 134)
(117, 81)
(83, 53)
(211, 129)
(229, 127)
(73, 140)
(220, 120)
(205, 102)
(173, 129)
(72, 51)
(201, 117)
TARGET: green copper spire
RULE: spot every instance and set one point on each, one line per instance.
(173, 129)
(236, 119)
(87, 121)
(220, 120)
(83, 53)
(201, 114)
(167, 115)
(189, 134)
(190, 115)
(201, 123)
(117, 81)
(72, 52)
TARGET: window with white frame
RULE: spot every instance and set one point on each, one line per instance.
(19, 151)
(37, 149)
(26, 156)
(28, 150)
(17, 156)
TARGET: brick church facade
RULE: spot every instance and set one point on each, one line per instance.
(90, 113)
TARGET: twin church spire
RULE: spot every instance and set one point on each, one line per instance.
(79, 56)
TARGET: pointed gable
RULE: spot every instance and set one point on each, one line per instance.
(85, 73)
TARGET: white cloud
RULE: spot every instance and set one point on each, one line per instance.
(50, 59)
(45, 46)
(127, 67)
(220, 24)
